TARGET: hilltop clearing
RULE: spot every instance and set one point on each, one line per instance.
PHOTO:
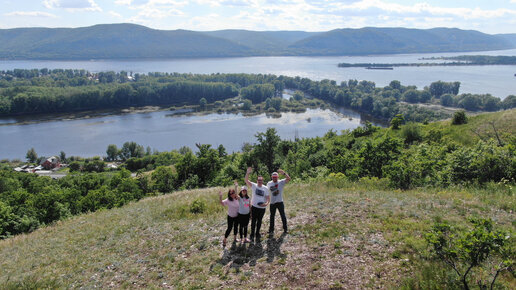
(343, 235)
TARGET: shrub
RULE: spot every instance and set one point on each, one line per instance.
(467, 250)
(75, 166)
(412, 133)
(459, 118)
(198, 206)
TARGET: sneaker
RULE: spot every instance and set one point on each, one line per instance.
(237, 240)
(246, 240)
(224, 242)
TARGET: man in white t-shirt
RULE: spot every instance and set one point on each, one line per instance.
(276, 188)
(259, 200)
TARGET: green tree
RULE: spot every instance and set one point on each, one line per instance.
(298, 95)
(264, 150)
(276, 103)
(163, 179)
(397, 121)
(203, 103)
(395, 85)
(131, 149)
(95, 165)
(207, 163)
(247, 104)
(75, 166)
(62, 156)
(112, 152)
(411, 96)
(31, 155)
(447, 100)
(509, 102)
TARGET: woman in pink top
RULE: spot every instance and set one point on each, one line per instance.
(232, 203)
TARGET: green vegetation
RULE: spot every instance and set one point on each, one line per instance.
(469, 250)
(461, 60)
(28, 92)
(415, 156)
(342, 233)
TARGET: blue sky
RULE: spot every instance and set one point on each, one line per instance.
(490, 16)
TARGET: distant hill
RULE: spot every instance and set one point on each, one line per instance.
(123, 41)
(113, 41)
(267, 42)
(510, 37)
(397, 40)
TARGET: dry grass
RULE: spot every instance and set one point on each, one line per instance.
(352, 237)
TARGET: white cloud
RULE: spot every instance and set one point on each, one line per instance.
(72, 5)
(31, 14)
(115, 14)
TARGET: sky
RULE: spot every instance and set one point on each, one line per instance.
(490, 16)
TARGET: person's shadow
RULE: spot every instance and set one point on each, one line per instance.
(239, 254)
(274, 248)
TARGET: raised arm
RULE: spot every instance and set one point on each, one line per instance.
(220, 198)
(236, 190)
(249, 170)
(287, 177)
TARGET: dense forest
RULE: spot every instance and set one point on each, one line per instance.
(24, 92)
(402, 157)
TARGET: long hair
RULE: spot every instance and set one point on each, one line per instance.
(229, 194)
(242, 196)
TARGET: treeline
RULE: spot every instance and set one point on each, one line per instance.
(461, 60)
(412, 156)
(54, 91)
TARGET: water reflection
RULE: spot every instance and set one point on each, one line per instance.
(164, 131)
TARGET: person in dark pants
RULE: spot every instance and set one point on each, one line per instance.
(276, 188)
(244, 213)
(259, 200)
(232, 203)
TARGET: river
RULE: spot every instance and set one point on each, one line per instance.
(164, 131)
(161, 131)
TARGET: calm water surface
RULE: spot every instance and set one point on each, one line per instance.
(90, 137)
(163, 131)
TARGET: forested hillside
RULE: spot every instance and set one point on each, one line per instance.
(372, 40)
(130, 41)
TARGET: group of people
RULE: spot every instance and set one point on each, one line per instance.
(242, 208)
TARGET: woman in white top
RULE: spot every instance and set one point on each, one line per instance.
(244, 213)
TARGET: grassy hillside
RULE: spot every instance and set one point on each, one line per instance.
(479, 127)
(349, 235)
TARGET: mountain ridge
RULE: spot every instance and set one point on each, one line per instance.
(132, 41)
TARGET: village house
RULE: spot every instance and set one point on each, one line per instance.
(51, 163)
